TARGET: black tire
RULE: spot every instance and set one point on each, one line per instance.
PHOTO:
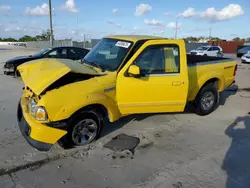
(219, 55)
(205, 55)
(67, 141)
(17, 73)
(210, 89)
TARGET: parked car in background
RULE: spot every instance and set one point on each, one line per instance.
(246, 58)
(22, 44)
(214, 51)
(69, 52)
(242, 50)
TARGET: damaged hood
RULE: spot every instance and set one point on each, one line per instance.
(40, 74)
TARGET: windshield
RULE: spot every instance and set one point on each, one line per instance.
(203, 48)
(245, 49)
(108, 54)
(42, 52)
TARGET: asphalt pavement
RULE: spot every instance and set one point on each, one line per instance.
(175, 151)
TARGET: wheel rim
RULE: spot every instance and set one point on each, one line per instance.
(207, 101)
(84, 132)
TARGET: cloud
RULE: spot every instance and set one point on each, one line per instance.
(142, 9)
(69, 6)
(172, 25)
(111, 22)
(231, 11)
(188, 13)
(167, 13)
(160, 31)
(38, 11)
(4, 8)
(213, 15)
(115, 11)
(154, 22)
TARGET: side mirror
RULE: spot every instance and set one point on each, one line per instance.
(134, 71)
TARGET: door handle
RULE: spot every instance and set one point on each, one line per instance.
(177, 83)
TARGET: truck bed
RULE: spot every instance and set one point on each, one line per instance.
(194, 59)
(202, 69)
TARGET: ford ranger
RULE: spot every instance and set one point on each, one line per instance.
(66, 102)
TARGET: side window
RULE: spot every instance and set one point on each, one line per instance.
(76, 54)
(159, 60)
(81, 53)
(61, 53)
(58, 53)
(217, 49)
(210, 49)
(52, 54)
(72, 54)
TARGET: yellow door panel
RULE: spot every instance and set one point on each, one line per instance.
(163, 82)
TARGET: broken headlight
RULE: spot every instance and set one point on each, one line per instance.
(38, 112)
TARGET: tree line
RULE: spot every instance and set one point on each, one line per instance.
(197, 39)
(45, 36)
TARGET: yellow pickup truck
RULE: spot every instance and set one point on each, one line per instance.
(66, 101)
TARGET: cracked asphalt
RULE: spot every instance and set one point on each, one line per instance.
(176, 150)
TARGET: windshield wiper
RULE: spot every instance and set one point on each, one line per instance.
(94, 63)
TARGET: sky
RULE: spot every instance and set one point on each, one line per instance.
(79, 19)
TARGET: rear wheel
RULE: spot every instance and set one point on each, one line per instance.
(206, 99)
(83, 128)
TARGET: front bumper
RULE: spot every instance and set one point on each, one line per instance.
(38, 135)
(245, 60)
(8, 69)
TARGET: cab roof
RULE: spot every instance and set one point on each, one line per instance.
(133, 38)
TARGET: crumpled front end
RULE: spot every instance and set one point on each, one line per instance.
(8, 68)
(37, 134)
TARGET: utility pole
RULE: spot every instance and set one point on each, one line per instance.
(84, 36)
(176, 26)
(51, 26)
(210, 31)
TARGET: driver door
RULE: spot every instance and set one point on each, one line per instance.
(162, 85)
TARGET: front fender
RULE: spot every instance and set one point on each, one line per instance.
(68, 109)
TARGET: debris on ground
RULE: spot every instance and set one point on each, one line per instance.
(123, 142)
(122, 154)
(83, 153)
(157, 135)
(178, 185)
(146, 145)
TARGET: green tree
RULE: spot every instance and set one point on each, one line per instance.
(237, 39)
(215, 39)
(26, 38)
(45, 36)
(9, 39)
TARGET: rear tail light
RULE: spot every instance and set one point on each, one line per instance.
(235, 69)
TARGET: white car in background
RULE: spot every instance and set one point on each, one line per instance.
(246, 58)
(214, 51)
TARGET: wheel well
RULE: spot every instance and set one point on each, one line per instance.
(98, 107)
(212, 81)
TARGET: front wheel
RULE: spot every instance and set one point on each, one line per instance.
(83, 128)
(206, 99)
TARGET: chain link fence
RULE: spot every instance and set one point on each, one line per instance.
(46, 44)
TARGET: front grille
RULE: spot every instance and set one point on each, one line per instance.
(193, 53)
(7, 65)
